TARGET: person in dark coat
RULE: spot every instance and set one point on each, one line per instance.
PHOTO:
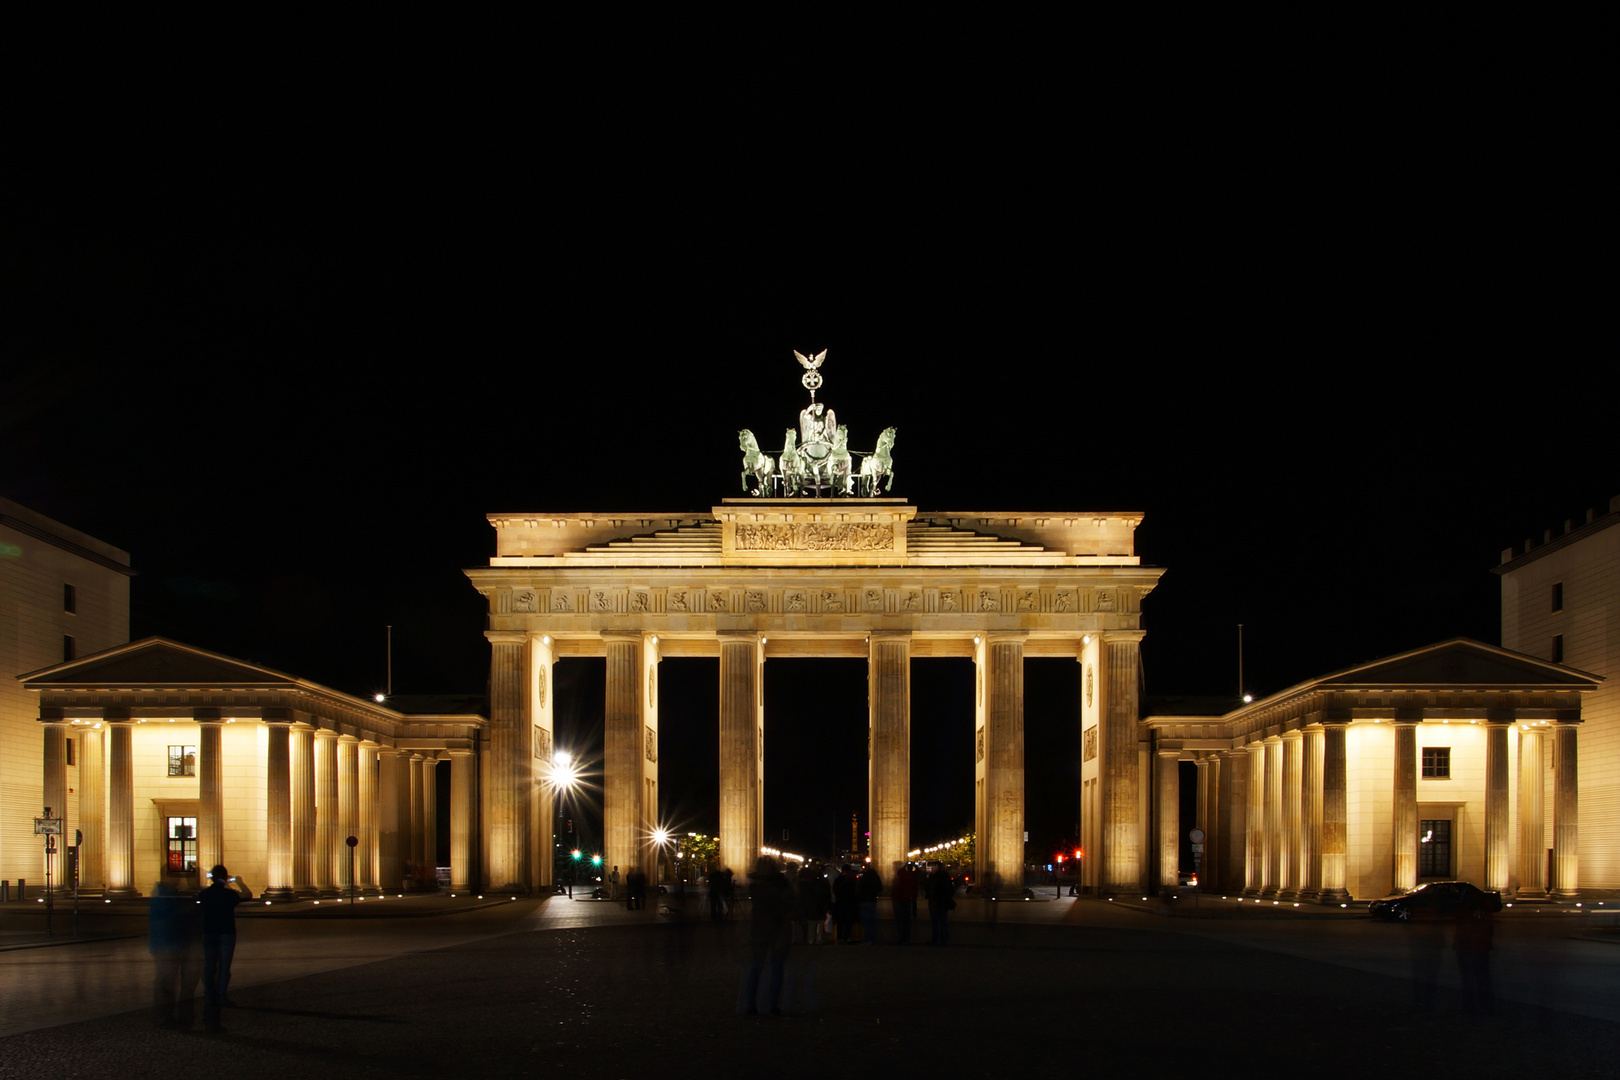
(635, 886)
(867, 890)
(172, 938)
(941, 899)
(903, 893)
(218, 903)
(843, 906)
(770, 934)
(813, 904)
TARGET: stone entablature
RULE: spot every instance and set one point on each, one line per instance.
(827, 532)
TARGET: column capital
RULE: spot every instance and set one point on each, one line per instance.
(325, 733)
(1121, 637)
(389, 751)
(344, 736)
(739, 637)
(506, 637)
(276, 716)
(892, 635)
(636, 636)
(207, 716)
(460, 752)
(1292, 735)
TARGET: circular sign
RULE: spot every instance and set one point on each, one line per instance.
(1196, 836)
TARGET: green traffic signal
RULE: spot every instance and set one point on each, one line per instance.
(596, 860)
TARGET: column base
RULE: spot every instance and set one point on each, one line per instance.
(1565, 894)
(1308, 896)
(1288, 895)
(1333, 896)
(280, 894)
(512, 889)
(460, 890)
(328, 894)
(123, 894)
(1532, 896)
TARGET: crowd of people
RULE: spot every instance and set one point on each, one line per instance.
(823, 903)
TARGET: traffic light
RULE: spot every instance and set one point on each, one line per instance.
(575, 854)
(596, 860)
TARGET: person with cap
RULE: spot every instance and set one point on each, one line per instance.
(218, 903)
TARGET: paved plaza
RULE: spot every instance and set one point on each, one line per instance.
(431, 987)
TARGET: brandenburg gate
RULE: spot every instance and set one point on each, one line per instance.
(815, 563)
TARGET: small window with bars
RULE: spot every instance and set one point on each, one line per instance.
(1437, 763)
(182, 761)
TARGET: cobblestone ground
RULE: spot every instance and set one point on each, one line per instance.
(620, 1000)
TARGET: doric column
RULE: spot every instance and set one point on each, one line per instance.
(888, 695)
(1311, 804)
(511, 763)
(1234, 805)
(1254, 881)
(1000, 851)
(323, 871)
(120, 809)
(741, 752)
(389, 870)
(622, 839)
(403, 775)
(1293, 855)
(1498, 845)
(93, 808)
(1566, 815)
(1169, 814)
(210, 792)
(463, 807)
(649, 759)
(278, 808)
(429, 841)
(346, 869)
(1403, 820)
(543, 805)
(367, 807)
(411, 856)
(1275, 854)
(301, 747)
(1532, 825)
(1120, 768)
(55, 797)
(1335, 814)
(1208, 770)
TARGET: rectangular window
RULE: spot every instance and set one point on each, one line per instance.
(70, 648)
(1558, 649)
(182, 853)
(1558, 596)
(182, 761)
(1434, 848)
(1437, 763)
(70, 599)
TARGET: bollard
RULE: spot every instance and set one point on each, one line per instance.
(5, 891)
(22, 889)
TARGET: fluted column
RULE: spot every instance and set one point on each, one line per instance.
(1274, 818)
(511, 763)
(1254, 882)
(1403, 816)
(1234, 802)
(1566, 814)
(55, 797)
(650, 819)
(888, 674)
(1208, 770)
(1120, 769)
(278, 810)
(543, 805)
(741, 752)
(1498, 845)
(301, 747)
(622, 757)
(463, 815)
(1311, 805)
(1000, 852)
(120, 809)
(323, 871)
(411, 787)
(1293, 856)
(1532, 825)
(210, 793)
(427, 842)
(1169, 815)
(404, 773)
(93, 808)
(1335, 814)
(389, 870)
(346, 869)
(367, 812)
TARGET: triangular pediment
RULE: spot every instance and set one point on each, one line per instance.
(155, 662)
(1461, 662)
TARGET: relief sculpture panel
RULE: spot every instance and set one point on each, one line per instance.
(815, 536)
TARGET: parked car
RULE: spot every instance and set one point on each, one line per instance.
(1433, 899)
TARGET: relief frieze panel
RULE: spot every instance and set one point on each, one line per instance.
(815, 536)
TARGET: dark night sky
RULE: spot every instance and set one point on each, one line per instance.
(288, 336)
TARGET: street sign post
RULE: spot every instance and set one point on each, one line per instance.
(50, 828)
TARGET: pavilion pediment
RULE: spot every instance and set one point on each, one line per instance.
(155, 662)
(1461, 662)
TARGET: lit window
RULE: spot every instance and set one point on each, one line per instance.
(182, 837)
(182, 761)
(1437, 763)
(1434, 848)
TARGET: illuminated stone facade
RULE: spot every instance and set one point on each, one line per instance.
(1373, 779)
(186, 759)
(755, 580)
(61, 593)
(1561, 602)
